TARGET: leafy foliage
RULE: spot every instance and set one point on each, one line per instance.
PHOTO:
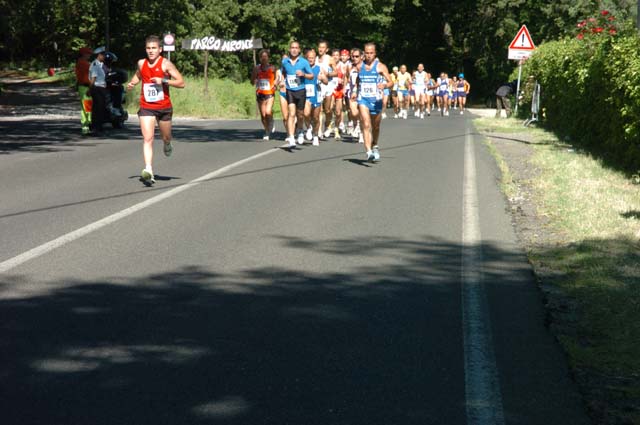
(591, 91)
(469, 36)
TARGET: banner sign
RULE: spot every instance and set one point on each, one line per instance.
(214, 43)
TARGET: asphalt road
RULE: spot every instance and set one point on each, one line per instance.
(304, 287)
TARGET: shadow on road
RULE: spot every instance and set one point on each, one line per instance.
(271, 345)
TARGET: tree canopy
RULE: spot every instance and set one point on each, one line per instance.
(468, 36)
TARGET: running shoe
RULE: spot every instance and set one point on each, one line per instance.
(265, 137)
(316, 142)
(336, 134)
(327, 132)
(300, 138)
(341, 127)
(461, 112)
(384, 115)
(292, 141)
(370, 156)
(376, 155)
(395, 116)
(309, 134)
(416, 114)
(147, 176)
(361, 138)
(422, 116)
(168, 149)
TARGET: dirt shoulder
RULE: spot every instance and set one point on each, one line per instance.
(610, 398)
(23, 96)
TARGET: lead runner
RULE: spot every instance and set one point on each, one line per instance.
(157, 75)
(373, 78)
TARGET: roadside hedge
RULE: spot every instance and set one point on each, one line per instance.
(591, 94)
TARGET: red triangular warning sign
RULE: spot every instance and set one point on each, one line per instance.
(523, 40)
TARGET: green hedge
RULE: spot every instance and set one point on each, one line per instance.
(591, 94)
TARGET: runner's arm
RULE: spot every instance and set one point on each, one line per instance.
(382, 69)
(136, 77)
(176, 81)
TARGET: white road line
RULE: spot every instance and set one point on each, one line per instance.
(92, 227)
(482, 387)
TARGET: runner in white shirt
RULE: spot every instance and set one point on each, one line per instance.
(328, 67)
(420, 88)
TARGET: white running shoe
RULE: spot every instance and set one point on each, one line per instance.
(384, 115)
(309, 134)
(329, 130)
(147, 176)
(461, 112)
(404, 115)
(395, 116)
(422, 116)
(292, 141)
(416, 114)
(370, 156)
(376, 155)
(341, 127)
(336, 133)
(265, 138)
(361, 138)
(301, 138)
(316, 142)
(446, 113)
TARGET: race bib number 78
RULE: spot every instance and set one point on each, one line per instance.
(153, 92)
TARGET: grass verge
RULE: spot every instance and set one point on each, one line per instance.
(225, 99)
(585, 249)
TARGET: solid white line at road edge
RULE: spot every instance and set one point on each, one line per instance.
(92, 227)
(482, 387)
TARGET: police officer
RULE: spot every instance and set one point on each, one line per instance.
(98, 87)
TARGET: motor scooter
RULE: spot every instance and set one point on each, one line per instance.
(116, 78)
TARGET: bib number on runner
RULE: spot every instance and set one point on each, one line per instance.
(264, 85)
(153, 92)
(311, 90)
(293, 81)
(369, 90)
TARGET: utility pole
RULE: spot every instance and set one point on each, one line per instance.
(106, 23)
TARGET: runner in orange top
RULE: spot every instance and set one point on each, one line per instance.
(157, 75)
(264, 78)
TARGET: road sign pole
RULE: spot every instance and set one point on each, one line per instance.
(518, 88)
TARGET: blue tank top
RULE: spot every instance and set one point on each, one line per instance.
(369, 80)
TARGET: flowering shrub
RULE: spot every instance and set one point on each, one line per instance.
(603, 24)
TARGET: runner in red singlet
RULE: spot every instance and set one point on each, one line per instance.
(264, 77)
(157, 75)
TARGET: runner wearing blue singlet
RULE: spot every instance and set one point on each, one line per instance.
(313, 105)
(373, 78)
(431, 85)
(295, 69)
(443, 94)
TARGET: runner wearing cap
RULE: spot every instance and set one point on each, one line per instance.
(341, 60)
(463, 90)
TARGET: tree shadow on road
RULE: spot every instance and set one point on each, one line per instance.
(378, 343)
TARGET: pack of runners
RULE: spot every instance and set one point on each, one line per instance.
(314, 89)
(317, 85)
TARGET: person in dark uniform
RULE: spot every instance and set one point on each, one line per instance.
(502, 97)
